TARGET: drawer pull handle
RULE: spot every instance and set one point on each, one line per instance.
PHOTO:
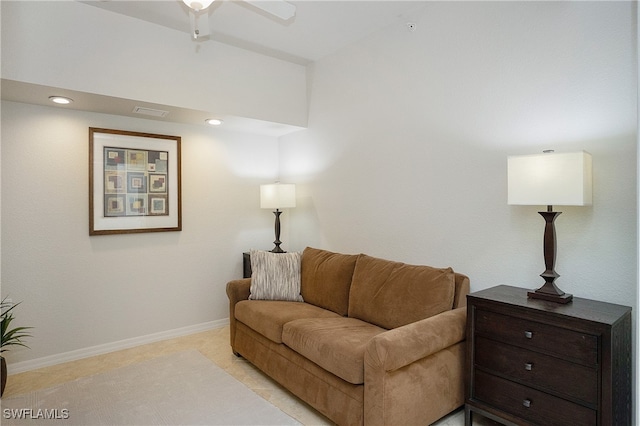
(526, 403)
(528, 334)
(528, 366)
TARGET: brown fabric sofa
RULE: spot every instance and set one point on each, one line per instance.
(375, 342)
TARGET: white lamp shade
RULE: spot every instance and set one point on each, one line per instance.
(563, 179)
(278, 196)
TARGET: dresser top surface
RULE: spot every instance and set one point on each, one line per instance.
(591, 310)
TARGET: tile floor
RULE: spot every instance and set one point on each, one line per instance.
(214, 344)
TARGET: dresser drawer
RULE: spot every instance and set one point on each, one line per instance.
(547, 373)
(564, 343)
(538, 407)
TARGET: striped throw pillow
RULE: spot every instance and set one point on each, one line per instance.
(275, 276)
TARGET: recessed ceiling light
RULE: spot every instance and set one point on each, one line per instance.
(60, 100)
(214, 121)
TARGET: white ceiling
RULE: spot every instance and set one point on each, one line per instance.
(319, 27)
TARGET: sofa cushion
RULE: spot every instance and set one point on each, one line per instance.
(326, 278)
(335, 344)
(392, 294)
(268, 316)
(275, 276)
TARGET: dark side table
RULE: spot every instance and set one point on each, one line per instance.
(530, 361)
(246, 265)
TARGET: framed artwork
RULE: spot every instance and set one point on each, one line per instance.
(134, 182)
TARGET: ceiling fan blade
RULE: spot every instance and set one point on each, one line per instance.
(279, 8)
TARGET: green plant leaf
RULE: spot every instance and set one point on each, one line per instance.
(10, 336)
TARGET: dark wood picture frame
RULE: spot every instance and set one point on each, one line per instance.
(134, 182)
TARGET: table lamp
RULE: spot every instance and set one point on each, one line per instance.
(277, 196)
(547, 179)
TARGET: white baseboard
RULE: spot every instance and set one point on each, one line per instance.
(47, 361)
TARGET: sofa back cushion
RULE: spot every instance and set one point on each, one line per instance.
(392, 294)
(326, 279)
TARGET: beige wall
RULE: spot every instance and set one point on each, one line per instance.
(89, 294)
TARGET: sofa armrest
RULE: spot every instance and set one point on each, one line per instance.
(401, 346)
(415, 374)
(237, 290)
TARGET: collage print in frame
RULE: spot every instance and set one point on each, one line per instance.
(134, 182)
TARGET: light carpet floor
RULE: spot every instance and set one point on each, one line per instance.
(184, 388)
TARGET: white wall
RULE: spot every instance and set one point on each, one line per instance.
(405, 155)
(80, 291)
(409, 133)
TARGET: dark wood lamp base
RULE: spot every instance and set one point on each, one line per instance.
(563, 298)
(549, 291)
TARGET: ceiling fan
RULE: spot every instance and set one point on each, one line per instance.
(279, 8)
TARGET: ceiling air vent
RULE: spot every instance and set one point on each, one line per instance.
(150, 111)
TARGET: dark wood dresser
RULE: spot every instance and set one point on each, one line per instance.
(533, 362)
